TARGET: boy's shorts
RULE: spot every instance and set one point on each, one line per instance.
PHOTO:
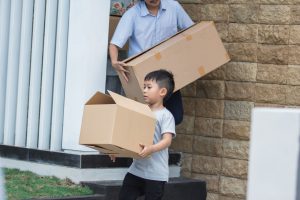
(134, 186)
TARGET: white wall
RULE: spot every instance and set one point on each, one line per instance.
(274, 154)
(86, 63)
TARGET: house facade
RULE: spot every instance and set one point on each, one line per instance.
(53, 57)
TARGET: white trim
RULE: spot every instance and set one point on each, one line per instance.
(60, 75)
(24, 73)
(47, 75)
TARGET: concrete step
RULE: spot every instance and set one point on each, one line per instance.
(76, 166)
(74, 160)
(175, 189)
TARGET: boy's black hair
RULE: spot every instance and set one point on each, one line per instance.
(164, 79)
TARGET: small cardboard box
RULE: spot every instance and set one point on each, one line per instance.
(113, 23)
(189, 55)
(116, 125)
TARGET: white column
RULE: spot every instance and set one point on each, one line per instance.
(12, 72)
(24, 71)
(35, 73)
(274, 163)
(86, 63)
(4, 33)
(47, 75)
(60, 74)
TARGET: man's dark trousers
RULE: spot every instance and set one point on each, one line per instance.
(174, 105)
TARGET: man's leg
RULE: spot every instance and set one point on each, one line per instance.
(154, 190)
(174, 105)
(132, 187)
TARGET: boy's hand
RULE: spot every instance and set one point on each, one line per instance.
(146, 150)
(113, 158)
(121, 67)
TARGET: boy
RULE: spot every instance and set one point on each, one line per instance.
(147, 176)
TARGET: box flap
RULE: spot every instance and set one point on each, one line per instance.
(100, 98)
(131, 104)
(133, 87)
(110, 149)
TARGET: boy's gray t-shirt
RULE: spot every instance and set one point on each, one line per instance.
(156, 167)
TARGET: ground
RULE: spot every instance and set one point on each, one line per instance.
(25, 185)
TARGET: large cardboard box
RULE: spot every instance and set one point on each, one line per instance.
(189, 55)
(116, 125)
(113, 23)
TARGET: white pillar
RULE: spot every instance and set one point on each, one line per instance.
(4, 33)
(274, 163)
(60, 74)
(86, 63)
(47, 75)
(35, 73)
(12, 72)
(24, 72)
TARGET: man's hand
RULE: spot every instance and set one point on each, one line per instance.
(146, 150)
(113, 158)
(121, 67)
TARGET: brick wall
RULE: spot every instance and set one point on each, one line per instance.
(263, 40)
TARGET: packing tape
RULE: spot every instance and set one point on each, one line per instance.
(188, 37)
(158, 56)
(201, 70)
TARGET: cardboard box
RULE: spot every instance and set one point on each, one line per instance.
(113, 23)
(116, 125)
(189, 55)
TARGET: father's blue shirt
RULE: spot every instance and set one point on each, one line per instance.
(145, 30)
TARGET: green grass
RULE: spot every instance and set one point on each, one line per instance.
(26, 185)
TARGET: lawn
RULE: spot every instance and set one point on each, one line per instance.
(26, 185)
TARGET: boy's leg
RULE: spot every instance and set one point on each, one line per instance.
(132, 187)
(174, 105)
(154, 190)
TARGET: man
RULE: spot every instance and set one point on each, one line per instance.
(146, 24)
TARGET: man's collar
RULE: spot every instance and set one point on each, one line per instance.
(145, 11)
(163, 5)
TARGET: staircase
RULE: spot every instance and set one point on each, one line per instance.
(175, 189)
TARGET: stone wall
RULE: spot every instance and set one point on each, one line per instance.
(263, 40)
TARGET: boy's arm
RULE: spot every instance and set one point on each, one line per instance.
(164, 143)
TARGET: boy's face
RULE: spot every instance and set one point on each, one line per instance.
(153, 93)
